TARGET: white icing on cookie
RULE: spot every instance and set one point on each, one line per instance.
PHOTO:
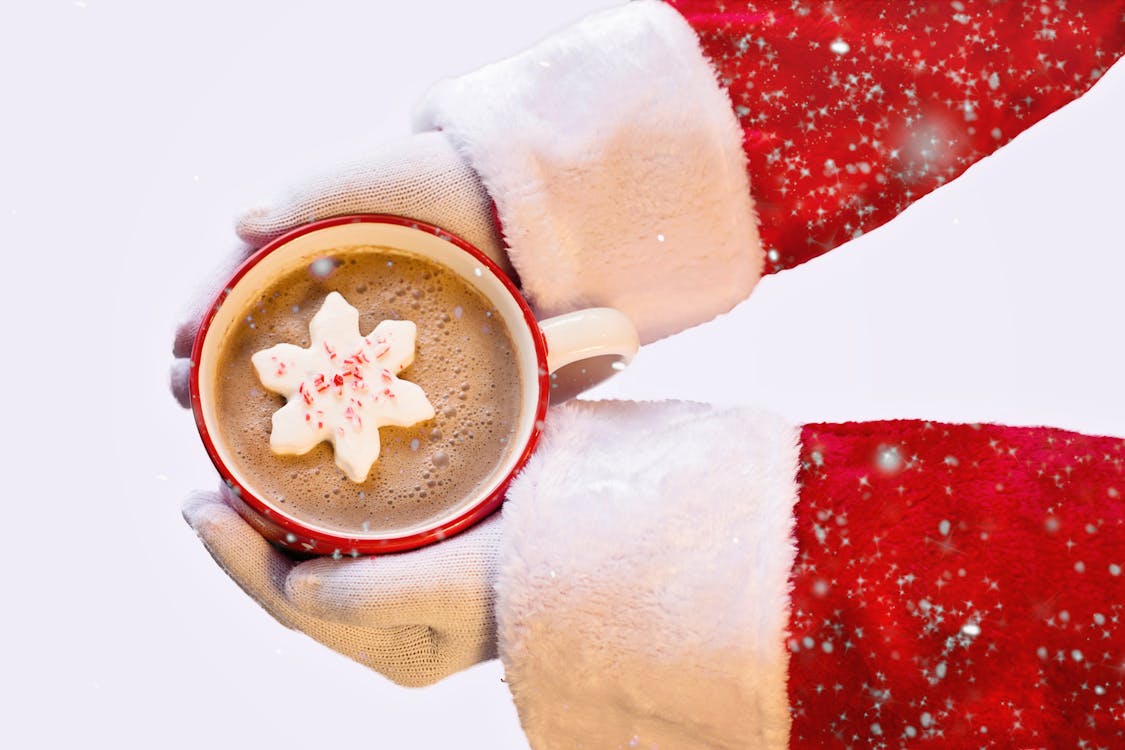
(343, 388)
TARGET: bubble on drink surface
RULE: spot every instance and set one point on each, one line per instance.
(458, 312)
(440, 459)
(414, 444)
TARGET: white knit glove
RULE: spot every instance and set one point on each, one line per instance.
(422, 178)
(415, 617)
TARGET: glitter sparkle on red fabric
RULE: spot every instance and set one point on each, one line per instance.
(958, 586)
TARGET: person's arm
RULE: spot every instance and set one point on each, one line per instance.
(743, 583)
(619, 152)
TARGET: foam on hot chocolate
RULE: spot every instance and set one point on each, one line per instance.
(464, 361)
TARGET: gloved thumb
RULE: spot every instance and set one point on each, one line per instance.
(254, 564)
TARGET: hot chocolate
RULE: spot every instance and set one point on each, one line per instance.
(464, 361)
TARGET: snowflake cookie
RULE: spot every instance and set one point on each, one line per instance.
(343, 388)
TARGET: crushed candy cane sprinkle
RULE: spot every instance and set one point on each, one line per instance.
(343, 387)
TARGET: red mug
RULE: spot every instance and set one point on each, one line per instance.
(542, 348)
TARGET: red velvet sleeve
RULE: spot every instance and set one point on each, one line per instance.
(852, 110)
(960, 584)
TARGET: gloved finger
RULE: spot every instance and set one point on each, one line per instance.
(411, 656)
(202, 299)
(415, 656)
(178, 375)
(253, 563)
(448, 585)
(422, 177)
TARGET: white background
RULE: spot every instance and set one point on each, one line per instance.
(132, 132)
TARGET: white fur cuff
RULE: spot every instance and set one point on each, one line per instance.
(642, 597)
(616, 165)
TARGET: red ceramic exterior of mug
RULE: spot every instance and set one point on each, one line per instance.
(588, 333)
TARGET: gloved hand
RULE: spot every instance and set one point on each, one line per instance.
(414, 617)
(422, 177)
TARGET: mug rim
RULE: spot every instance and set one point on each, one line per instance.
(477, 511)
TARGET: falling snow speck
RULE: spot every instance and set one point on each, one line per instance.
(889, 459)
(322, 268)
(840, 47)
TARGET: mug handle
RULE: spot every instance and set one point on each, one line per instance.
(594, 332)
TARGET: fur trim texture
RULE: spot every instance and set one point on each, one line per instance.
(642, 595)
(616, 164)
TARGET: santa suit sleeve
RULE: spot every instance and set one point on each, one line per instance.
(659, 158)
(737, 582)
